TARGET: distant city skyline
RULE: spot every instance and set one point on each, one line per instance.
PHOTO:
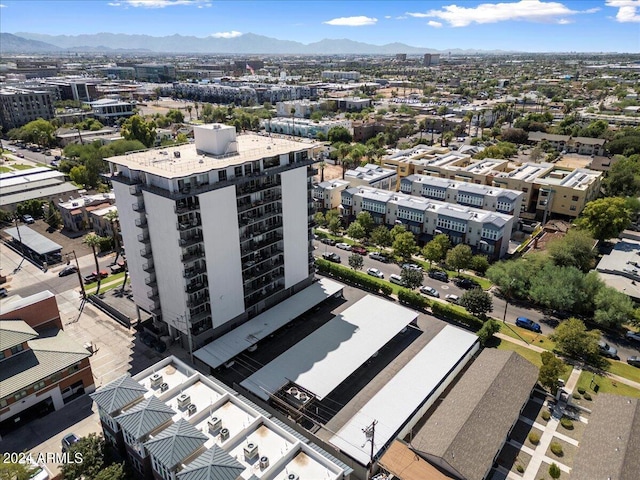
(516, 25)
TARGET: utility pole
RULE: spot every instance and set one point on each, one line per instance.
(21, 245)
(84, 294)
(370, 434)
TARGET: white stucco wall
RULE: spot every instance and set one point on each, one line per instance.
(295, 226)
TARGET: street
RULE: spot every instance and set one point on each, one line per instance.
(547, 323)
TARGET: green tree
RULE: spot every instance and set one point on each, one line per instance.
(612, 308)
(573, 340)
(478, 302)
(356, 231)
(381, 236)
(436, 249)
(94, 241)
(557, 287)
(397, 229)
(575, 249)
(411, 277)
(15, 471)
(459, 257)
(606, 217)
(339, 134)
(92, 449)
(78, 175)
(365, 219)
(38, 131)
(54, 219)
(175, 116)
(404, 245)
(480, 264)
(334, 225)
(114, 471)
(30, 207)
(320, 219)
(488, 330)
(552, 369)
(356, 261)
(114, 220)
(137, 128)
(513, 277)
(623, 179)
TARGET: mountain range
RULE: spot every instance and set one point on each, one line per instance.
(248, 43)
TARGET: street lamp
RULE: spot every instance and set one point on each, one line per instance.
(506, 300)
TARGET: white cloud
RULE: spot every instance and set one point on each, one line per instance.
(2, 5)
(564, 21)
(628, 10)
(160, 3)
(231, 34)
(524, 10)
(387, 17)
(114, 4)
(434, 24)
(359, 21)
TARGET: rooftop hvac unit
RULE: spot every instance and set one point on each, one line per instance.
(183, 400)
(250, 451)
(224, 434)
(164, 387)
(293, 391)
(192, 408)
(293, 476)
(156, 380)
(264, 463)
(215, 424)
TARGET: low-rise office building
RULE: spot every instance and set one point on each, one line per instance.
(486, 232)
(340, 75)
(108, 110)
(486, 197)
(171, 422)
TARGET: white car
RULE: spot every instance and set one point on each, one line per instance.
(450, 297)
(374, 272)
(344, 246)
(427, 290)
(635, 336)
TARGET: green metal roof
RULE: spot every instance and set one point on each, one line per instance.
(116, 395)
(176, 443)
(15, 332)
(145, 417)
(214, 464)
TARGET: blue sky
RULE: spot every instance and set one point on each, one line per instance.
(525, 25)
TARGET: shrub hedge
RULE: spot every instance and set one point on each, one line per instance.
(534, 437)
(566, 423)
(546, 416)
(556, 449)
(352, 277)
(446, 311)
(587, 396)
(412, 298)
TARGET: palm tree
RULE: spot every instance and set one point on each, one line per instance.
(189, 109)
(321, 165)
(197, 107)
(293, 121)
(468, 117)
(93, 241)
(113, 219)
(126, 273)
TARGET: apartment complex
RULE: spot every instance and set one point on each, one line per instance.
(372, 175)
(19, 106)
(327, 195)
(569, 144)
(41, 367)
(341, 75)
(171, 422)
(76, 214)
(217, 231)
(302, 127)
(548, 188)
(487, 232)
(39, 183)
(486, 197)
(108, 110)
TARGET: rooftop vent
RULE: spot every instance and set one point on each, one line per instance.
(164, 387)
(192, 408)
(293, 476)
(264, 463)
(183, 400)
(250, 451)
(224, 434)
(156, 380)
(176, 154)
(215, 424)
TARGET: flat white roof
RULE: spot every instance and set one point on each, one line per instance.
(414, 384)
(324, 359)
(239, 339)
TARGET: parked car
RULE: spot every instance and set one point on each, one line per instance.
(524, 322)
(332, 257)
(438, 275)
(359, 250)
(466, 283)
(395, 278)
(411, 266)
(427, 290)
(607, 350)
(68, 440)
(374, 272)
(344, 246)
(379, 256)
(450, 297)
(93, 276)
(633, 336)
(634, 361)
(68, 270)
(328, 241)
(28, 219)
(118, 267)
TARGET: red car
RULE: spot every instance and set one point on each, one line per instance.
(93, 277)
(359, 250)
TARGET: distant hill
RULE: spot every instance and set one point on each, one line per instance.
(249, 43)
(14, 44)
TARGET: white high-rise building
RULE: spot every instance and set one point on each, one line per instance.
(217, 231)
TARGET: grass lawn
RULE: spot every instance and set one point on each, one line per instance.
(624, 370)
(606, 386)
(5, 169)
(111, 278)
(20, 166)
(532, 356)
(531, 337)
